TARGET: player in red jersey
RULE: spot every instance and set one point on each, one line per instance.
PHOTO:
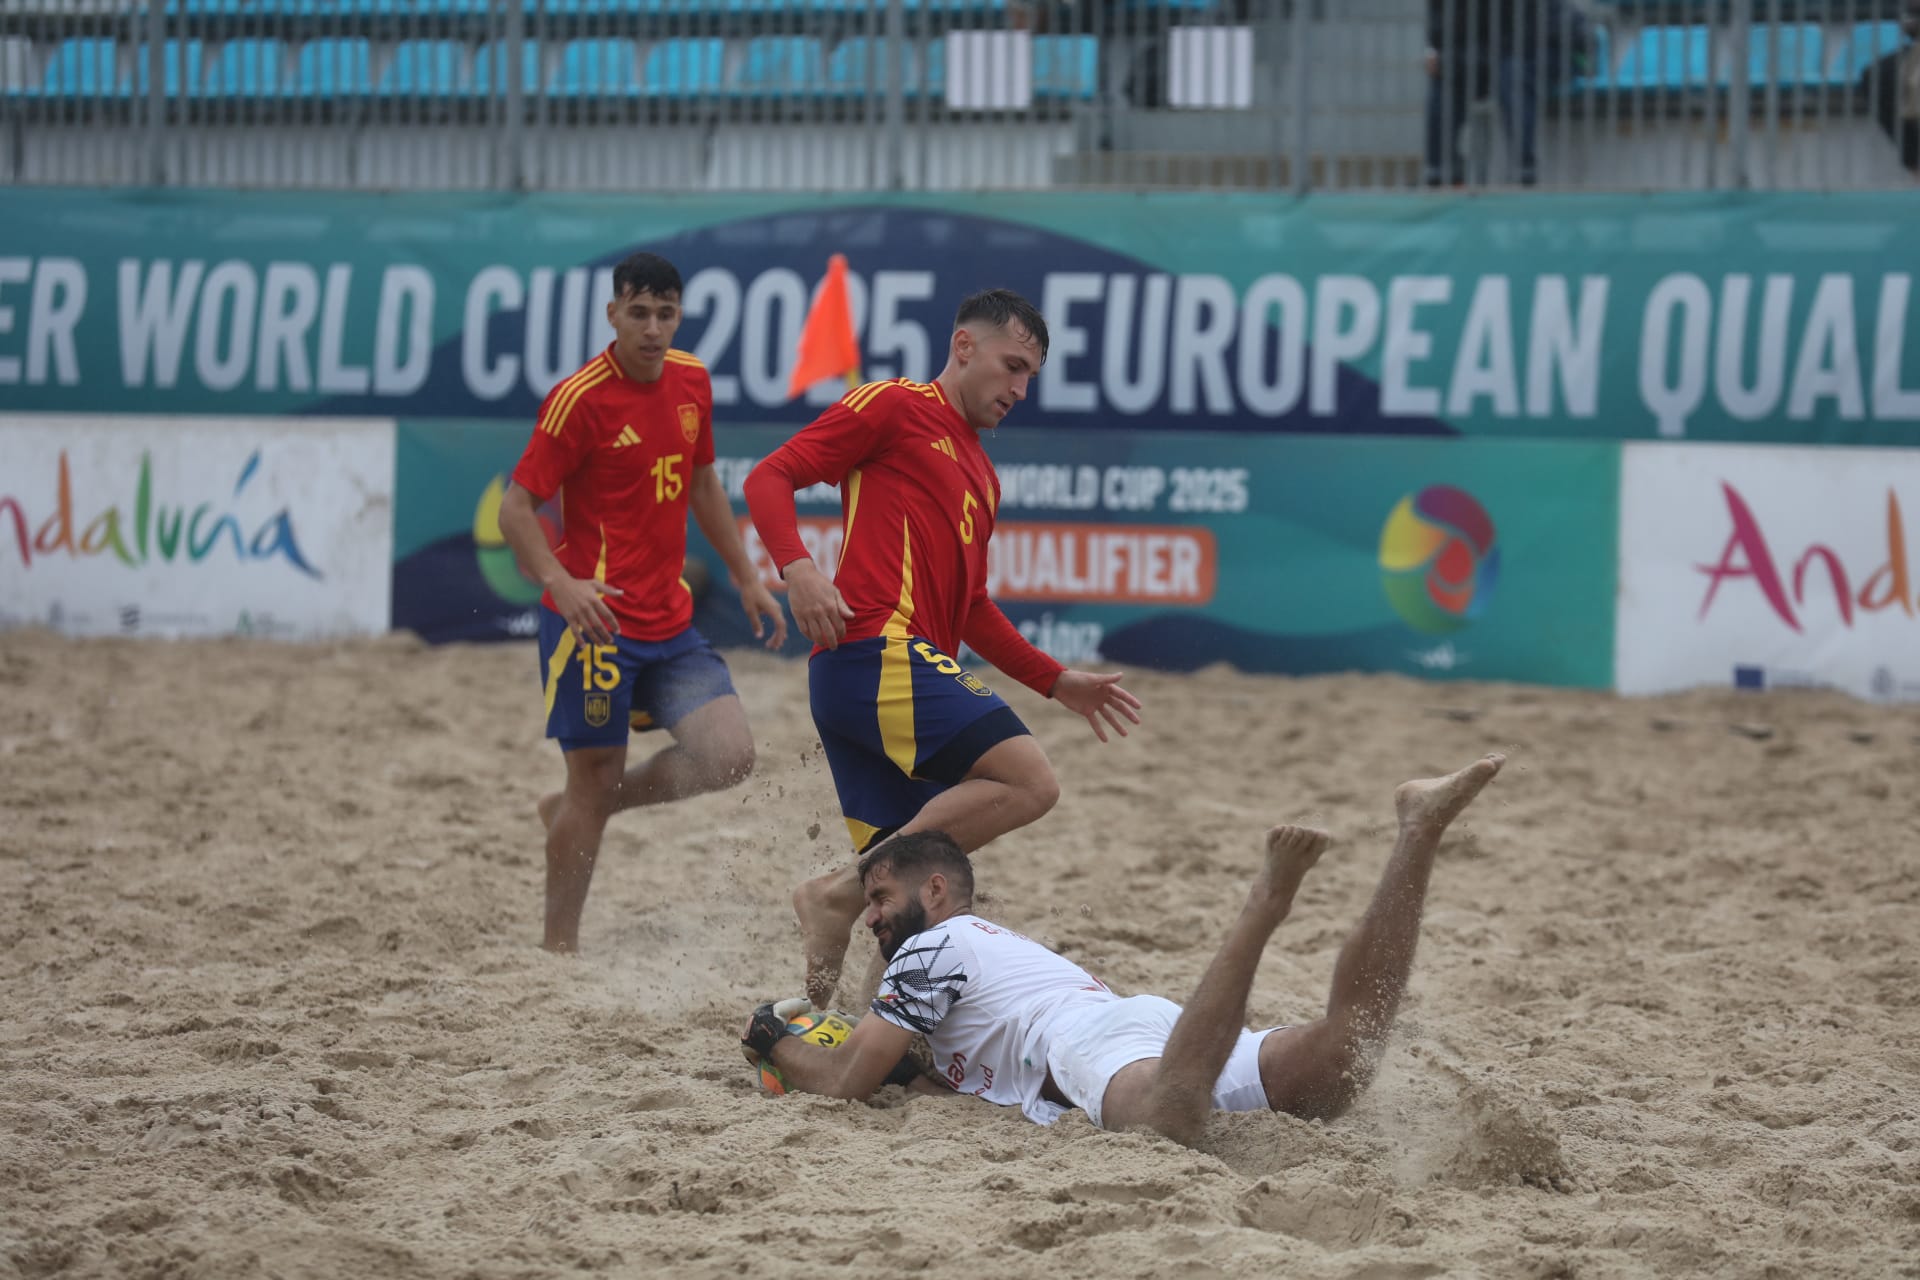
(915, 742)
(628, 442)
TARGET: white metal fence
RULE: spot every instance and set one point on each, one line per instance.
(835, 95)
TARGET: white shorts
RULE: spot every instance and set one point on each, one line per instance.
(1086, 1054)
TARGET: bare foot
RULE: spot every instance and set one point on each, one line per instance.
(1291, 853)
(1431, 803)
(826, 927)
(548, 806)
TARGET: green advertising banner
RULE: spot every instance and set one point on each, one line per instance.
(1770, 318)
(1461, 558)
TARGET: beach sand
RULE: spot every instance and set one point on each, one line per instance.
(270, 1003)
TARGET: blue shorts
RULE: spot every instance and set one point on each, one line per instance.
(597, 693)
(901, 722)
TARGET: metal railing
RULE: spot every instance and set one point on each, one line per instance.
(810, 95)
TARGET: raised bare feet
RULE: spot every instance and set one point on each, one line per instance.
(1291, 853)
(549, 805)
(826, 927)
(1431, 803)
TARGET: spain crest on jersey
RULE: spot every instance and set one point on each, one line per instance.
(599, 708)
(690, 422)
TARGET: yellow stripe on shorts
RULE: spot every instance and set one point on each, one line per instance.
(862, 832)
(557, 664)
(896, 670)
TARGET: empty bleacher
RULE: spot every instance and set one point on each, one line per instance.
(837, 93)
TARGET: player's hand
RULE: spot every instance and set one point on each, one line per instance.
(764, 1030)
(1097, 697)
(759, 603)
(578, 601)
(819, 610)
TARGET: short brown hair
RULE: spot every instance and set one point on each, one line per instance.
(918, 855)
(1000, 308)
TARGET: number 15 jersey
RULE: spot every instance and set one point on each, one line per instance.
(621, 455)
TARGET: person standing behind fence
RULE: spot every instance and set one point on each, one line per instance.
(1895, 81)
(1477, 46)
(629, 438)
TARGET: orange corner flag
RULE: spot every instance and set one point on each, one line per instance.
(828, 345)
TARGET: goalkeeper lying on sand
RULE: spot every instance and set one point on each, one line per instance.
(1012, 1022)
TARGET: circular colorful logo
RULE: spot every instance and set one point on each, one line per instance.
(497, 565)
(1438, 563)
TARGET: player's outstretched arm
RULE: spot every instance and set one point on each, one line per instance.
(575, 600)
(872, 1054)
(714, 514)
(1098, 697)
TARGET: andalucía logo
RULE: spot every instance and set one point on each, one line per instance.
(154, 525)
(1438, 561)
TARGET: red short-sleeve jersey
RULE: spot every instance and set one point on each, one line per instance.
(621, 456)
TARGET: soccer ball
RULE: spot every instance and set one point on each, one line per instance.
(828, 1030)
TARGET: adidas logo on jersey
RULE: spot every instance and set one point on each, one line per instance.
(626, 437)
(945, 445)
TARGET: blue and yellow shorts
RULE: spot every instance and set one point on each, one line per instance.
(901, 722)
(597, 693)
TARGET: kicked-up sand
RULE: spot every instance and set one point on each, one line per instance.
(271, 1003)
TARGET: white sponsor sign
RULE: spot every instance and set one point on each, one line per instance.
(1765, 567)
(196, 526)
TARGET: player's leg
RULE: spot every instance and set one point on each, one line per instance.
(905, 724)
(1005, 789)
(1173, 1094)
(684, 685)
(1318, 1069)
(588, 691)
(573, 838)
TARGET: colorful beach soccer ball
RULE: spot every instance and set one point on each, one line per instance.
(828, 1030)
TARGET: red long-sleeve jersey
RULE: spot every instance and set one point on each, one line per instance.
(918, 496)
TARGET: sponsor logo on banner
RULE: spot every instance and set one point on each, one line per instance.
(177, 526)
(497, 563)
(1439, 563)
(1768, 568)
(1169, 565)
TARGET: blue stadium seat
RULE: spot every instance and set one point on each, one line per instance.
(490, 67)
(593, 8)
(1066, 66)
(334, 69)
(431, 68)
(182, 69)
(780, 66)
(936, 84)
(1801, 58)
(81, 69)
(684, 68)
(1865, 45)
(247, 69)
(848, 74)
(1667, 58)
(360, 8)
(597, 68)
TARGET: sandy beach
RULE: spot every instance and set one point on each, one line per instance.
(270, 1003)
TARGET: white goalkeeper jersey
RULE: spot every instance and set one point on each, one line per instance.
(987, 999)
